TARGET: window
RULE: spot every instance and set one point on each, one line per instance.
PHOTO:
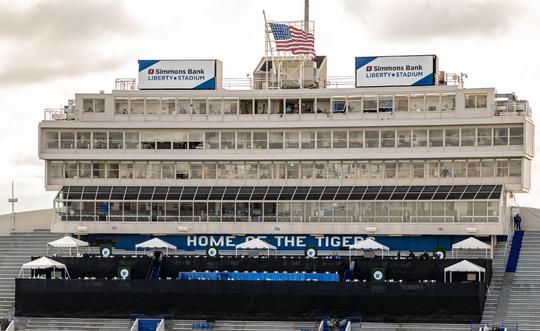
(339, 139)
(293, 169)
(324, 139)
(179, 140)
(168, 106)
(132, 140)
(227, 140)
(516, 136)
(404, 169)
(386, 104)
(514, 168)
(388, 138)
(51, 139)
(448, 102)
(98, 169)
(224, 170)
(370, 104)
(451, 137)
(419, 138)
(356, 139)
(432, 169)
(292, 140)
(320, 170)
(339, 105)
(199, 106)
(500, 136)
(334, 170)
(163, 140)
(475, 100)
(468, 137)
(481, 101)
(152, 106)
(67, 140)
(260, 140)
(182, 170)
(113, 169)
(246, 107)
(470, 101)
(473, 168)
(137, 106)
(154, 170)
(390, 168)
(265, 170)
(362, 170)
(432, 102)
(460, 168)
(355, 104)
(70, 169)
(212, 140)
(261, 107)
(85, 170)
(402, 103)
(196, 140)
(487, 168)
(251, 170)
(93, 105)
(418, 169)
(416, 103)
(121, 106)
(56, 169)
(139, 170)
(209, 170)
(116, 140)
(436, 138)
(502, 168)
(276, 106)
(484, 137)
(148, 140)
(404, 138)
(184, 106)
(126, 170)
(83, 140)
(348, 169)
(292, 106)
(308, 139)
(237, 170)
(196, 170)
(214, 106)
(372, 139)
(323, 106)
(275, 140)
(446, 169)
(279, 170)
(243, 140)
(100, 140)
(376, 169)
(230, 106)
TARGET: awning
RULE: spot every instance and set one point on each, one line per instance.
(255, 243)
(68, 242)
(471, 243)
(155, 243)
(368, 244)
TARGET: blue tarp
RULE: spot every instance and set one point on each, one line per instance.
(254, 276)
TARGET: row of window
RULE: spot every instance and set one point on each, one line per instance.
(406, 169)
(305, 139)
(318, 211)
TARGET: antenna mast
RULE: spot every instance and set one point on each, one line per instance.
(306, 16)
(12, 200)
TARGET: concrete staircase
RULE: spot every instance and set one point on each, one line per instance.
(72, 324)
(15, 250)
(499, 266)
(524, 298)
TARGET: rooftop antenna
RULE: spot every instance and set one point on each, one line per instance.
(12, 200)
(306, 16)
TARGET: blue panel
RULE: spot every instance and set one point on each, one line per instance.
(143, 64)
(426, 81)
(362, 61)
(208, 85)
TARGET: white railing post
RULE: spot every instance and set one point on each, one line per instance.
(161, 325)
(11, 326)
(135, 325)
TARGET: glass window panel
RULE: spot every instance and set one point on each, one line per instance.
(376, 169)
(212, 140)
(292, 139)
(416, 103)
(113, 169)
(227, 140)
(51, 139)
(265, 170)
(403, 138)
(451, 137)
(502, 168)
(308, 139)
(230, 106)
(514, 168)
(334, 170)
(356, 139)
(390, 168)
(148, 140)
(179, 140)
(404, 169)
(251, 170)
(279, 170)
(370, 104)
(261, 106)
(388, 138)
(339, 139)
(372, 139)
(339, 105)
(320, 170)
(500, 136)
(348, 169)
(195, 170)
(238, 170)
(67, 140)
(362, 170)
(224, 170)
(140, 170)
(199, 106)
(324, 139)
(126, 170)
(355, 104)
(275, 140)
(446, 169)
(460, 168)
(432, 102)
(182, 170)
(432, 169)
(419, 138)
(468, 137)
(120, 106)
(88, 105)
(470, 101)
(116, 140)
(56, 169)
(276, 106)
(132, 140)
(246, 107)
(154, 170)
(163, 140)
(516, 136)
(83, 140)
(209, 170)
(196, 140)
(402, 103)
(292, 106)
(152, 106)
(260, 140)
(70, 169)
(436, 138)
(184, 106)
(323, 106)
(448, 102)
(386, 104)
(473, 168)
(136, 105)
(98, 169)
(243, 140)
(168, 106)
(484, 137)
(85, 170)
(488, 168)
(307, 170)
(418, 169)
(481, 101)
(214, 106)
(293, 169)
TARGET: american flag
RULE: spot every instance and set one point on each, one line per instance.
(289, 38)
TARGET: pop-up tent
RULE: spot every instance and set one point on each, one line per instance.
(368, 244)
(465, 266)
(156, 244)
(469, 244)
(68, 242)
(41, 264)
(256, 244)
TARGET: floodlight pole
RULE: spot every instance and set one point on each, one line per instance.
(12, 200)
(306, 16)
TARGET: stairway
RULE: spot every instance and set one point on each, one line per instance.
(148, 324)
(15, 250)
(513, 256)
(498, 268)
(524, 298)
(73, 324)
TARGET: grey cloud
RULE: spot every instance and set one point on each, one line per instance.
(53, 39)
(429, 19)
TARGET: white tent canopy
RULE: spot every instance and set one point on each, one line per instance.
(368, 244)
(470, 243)
(256, 244)
(464, 266)
(155, 243)
(67, 242)
(43, 263)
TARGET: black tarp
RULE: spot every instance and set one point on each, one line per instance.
(389, 302)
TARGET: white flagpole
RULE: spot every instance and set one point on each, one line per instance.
(269, 44)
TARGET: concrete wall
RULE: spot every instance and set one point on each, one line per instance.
(530, 218)
(27, 221)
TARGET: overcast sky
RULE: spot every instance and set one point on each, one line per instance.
(51, 49)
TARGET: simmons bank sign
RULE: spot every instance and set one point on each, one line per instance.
(179, 74)
(408, 70)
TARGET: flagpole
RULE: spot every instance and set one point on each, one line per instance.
(270, 47)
